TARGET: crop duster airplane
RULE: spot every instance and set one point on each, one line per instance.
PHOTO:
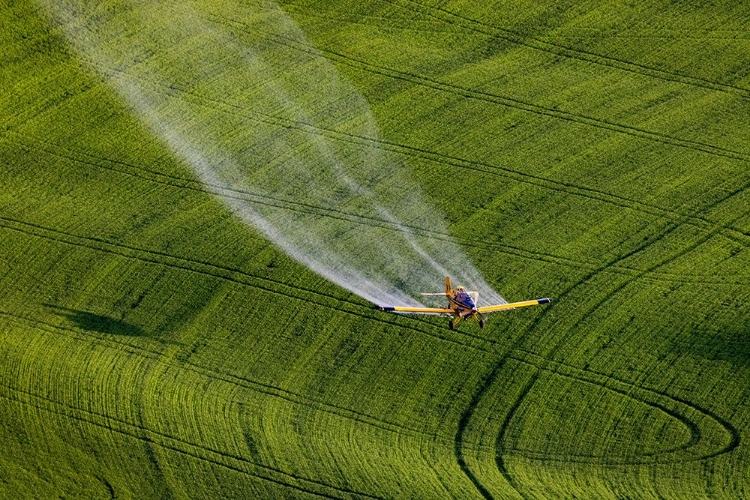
(462, 305)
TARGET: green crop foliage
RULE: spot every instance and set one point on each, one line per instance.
(153, 345)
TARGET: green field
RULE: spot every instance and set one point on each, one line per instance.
(155, 345)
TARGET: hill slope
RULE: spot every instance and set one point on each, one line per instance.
(153, 345)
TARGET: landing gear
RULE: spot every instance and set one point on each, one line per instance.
(451, 325)
(482, 322)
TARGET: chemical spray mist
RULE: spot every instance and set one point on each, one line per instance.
(255, 110)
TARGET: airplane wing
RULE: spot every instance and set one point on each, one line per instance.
(416, 310)
(512, 305)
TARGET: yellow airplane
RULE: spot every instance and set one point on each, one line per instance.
(462, 305)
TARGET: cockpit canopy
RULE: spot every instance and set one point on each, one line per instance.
(464, 299)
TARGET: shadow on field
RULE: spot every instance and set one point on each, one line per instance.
(728, 344)
(97, 322)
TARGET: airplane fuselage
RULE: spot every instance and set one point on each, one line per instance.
(463, 304)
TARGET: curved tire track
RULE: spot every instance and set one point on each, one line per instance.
(669, 405)
(547, 361)
(505, 426)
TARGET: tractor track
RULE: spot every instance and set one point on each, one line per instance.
(732, 432)
(505, 101)
(465, 417)
(459, 444)
(546, 365)
(607, 382)
(178, 182)
(518, 176)
(644, 395)
(540, 181)
(525, 391)
(236, 276)
(474, 25)
(568, 188)
(564, 187)
(540, 362)
(734, 436)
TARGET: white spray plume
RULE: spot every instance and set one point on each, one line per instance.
(254, 115)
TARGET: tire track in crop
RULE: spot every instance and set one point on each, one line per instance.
(564, 187)
(732, 432)
(276, 202)
(253, 386)
(477, 343)
(288, 396)
(734, 436)
(506, 101)
(463, 424)
(520, 356)
(275, 391)
(151, 437)
(236, 276)
(177, 182)
(261, 199)
(625, 388)
(688, 248)
(477, 26)
(487, 382)
(537, 180)
(694, 429)
(671, 406)
(568, 188)
(525, 391)
(493, 375)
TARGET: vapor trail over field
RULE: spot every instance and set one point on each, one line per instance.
(253, 108)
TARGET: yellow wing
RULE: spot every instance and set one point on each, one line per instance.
(416, 310)
(513, 305)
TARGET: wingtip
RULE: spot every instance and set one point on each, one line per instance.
(544, 301)
(385, 308)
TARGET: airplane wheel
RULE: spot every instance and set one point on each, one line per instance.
(451, 325)
(482, 322)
